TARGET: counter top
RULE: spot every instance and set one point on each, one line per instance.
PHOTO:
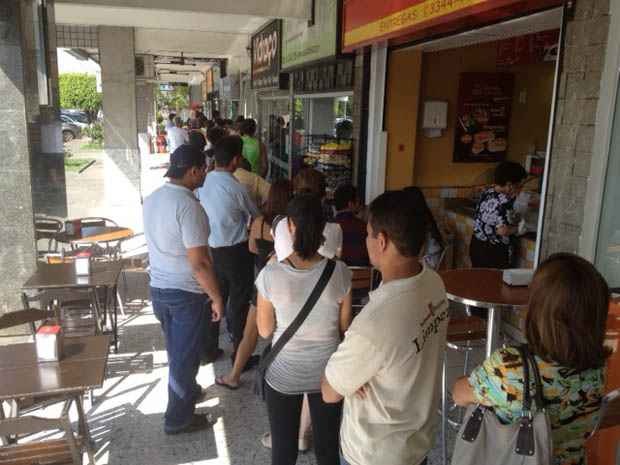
(467, 207)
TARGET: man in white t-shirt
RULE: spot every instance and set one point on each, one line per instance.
(177, 136)
(184, 288)
(388, 367)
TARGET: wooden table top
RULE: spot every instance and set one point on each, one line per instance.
(62, 275)
(82, 367)
(91, 234)
(483, 288)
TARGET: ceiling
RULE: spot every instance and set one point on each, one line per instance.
(195, 28)
(547, 20)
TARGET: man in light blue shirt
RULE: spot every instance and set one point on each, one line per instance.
(230, 211)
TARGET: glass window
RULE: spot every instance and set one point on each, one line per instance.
(608, 245)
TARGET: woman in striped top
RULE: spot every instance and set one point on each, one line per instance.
(283, 288)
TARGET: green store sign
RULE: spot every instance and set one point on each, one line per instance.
(302, 44)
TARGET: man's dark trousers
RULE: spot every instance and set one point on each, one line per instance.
(234, 268)
(182, 316)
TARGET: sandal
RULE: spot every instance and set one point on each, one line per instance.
(220, 382)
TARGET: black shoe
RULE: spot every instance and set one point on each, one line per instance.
(198, 423)
(212, 357)
(252, 362)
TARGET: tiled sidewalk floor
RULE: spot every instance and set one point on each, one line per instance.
(127, 415)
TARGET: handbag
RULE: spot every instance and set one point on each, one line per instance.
(483, 439)
(271, 352)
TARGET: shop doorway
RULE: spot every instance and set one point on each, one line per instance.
(458, 105)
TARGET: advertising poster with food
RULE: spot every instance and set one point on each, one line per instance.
(483, 117)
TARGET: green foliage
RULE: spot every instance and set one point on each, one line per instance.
(79, 91)
(95, 132)
(176, 99)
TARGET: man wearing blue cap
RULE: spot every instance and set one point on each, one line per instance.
(182, 281)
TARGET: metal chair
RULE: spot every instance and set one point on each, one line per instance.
(78, 311)
(50, 452)
(362, 282)
(465, 334)
(47, 227)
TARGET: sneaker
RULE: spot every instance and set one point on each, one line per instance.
(303, 445)
(198, 423)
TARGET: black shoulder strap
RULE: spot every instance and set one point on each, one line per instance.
(527, 397)
(538, 395)
(301, 316)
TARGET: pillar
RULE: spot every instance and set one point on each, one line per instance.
(122, 164)
(18, 120)
(118, 79)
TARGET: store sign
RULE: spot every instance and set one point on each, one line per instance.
(302, 44)
(328, 77)
(483, 117)
(367, 21)
(266, 56)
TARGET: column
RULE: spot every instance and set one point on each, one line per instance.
(18, 118)
(118, 80)
(122, 164)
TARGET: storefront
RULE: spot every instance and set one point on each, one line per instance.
(467, 85)
(273, 98)
(557, 117)
(322, 87)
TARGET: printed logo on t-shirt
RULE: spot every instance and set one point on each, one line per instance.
(437, 314)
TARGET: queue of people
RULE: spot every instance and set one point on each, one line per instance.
(273, 260)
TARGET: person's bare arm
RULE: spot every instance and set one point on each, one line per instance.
(346, 313)
(254, 233)
(506, 230)
(463, 393)
(264, 164)
(202, 267)
(330, 395)
(265, 317)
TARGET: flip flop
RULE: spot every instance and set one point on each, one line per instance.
(219, 382)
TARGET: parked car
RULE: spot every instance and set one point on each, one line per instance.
(70, 130)
(77, 119)
(78, 116)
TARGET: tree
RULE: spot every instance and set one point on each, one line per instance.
(79, 91)
(175, 99)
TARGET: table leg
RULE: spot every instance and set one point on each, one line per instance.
(493, 326)
(114, 317)
(83, 429)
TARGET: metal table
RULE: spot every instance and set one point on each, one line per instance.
(104, 275)
(82, 368)
(98, 235)
(485, 288)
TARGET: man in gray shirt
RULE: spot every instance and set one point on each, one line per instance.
(230, 211)
(182, 281)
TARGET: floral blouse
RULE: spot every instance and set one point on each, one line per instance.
(573, 399)
(493, 210)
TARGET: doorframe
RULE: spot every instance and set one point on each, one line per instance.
(605, 113)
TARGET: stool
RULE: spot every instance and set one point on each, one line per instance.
(465, 335)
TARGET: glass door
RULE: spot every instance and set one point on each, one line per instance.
(608, 244)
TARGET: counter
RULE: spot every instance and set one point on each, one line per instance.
(460, 219)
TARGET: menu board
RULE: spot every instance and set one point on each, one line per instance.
(483, 117)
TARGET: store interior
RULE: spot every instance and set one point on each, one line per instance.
(481, 97)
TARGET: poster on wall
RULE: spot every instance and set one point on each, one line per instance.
(539, 47)
(302, 43)
(483, 117)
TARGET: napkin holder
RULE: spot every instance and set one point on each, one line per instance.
(83, 264)
(518, 276)
(48, 342)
